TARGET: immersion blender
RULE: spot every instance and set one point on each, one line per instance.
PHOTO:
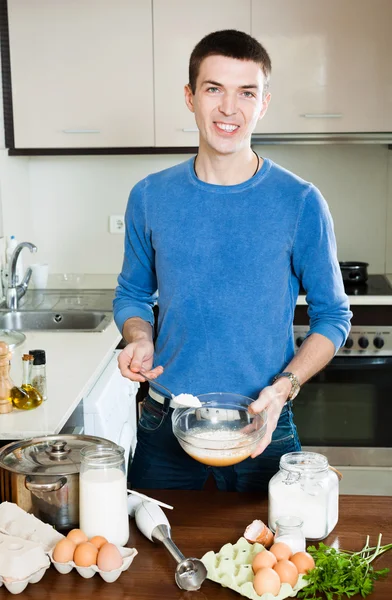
(153, 523)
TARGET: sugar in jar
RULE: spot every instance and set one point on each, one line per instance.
(307, 488)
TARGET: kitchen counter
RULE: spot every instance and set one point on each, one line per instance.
(74, 361)
(203, 521)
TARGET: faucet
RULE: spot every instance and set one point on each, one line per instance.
(15, 292)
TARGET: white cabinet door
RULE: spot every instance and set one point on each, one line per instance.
(81, 73)
(178, 26)
(331, 64)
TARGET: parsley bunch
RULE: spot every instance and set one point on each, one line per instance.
(342, 573)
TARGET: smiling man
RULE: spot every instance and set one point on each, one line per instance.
(227, 238)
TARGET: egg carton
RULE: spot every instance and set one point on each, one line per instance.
(232, 568)
(16, 521)
(128, 555)
(21, 562)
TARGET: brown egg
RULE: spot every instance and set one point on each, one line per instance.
(77, 536)
(266, 581)
(64, 550)
(303, 561)
(109, 558)
(98, 541)
(85, 555)
(265, 558)
(287, 572)
(281, 550)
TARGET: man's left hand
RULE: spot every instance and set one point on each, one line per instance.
(272, 398)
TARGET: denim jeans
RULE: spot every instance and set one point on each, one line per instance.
(161, 463)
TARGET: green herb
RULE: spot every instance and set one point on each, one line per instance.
(341, 573)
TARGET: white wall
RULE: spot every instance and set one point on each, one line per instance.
(62, 204)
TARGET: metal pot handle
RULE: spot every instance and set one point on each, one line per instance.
(45, 487)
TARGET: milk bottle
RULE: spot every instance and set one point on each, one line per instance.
(103, 494)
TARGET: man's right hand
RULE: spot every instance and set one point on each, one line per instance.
(138, 356)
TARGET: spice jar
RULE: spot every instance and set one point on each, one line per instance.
(103, 507)
(307, 488)
(38, 372)
(5, 380)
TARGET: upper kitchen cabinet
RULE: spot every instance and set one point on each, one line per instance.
(82, 73)
(178, 26)
(331, 64)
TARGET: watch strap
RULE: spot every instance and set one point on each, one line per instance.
(295, 385)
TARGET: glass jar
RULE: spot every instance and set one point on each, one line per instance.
(307, 488)
(6, 384)
(103, 508)
(289, 530)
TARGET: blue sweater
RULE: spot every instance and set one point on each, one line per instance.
(228, 262)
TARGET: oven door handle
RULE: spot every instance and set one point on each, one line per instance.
(359, 362)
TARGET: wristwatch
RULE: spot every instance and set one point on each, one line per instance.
(295, 386)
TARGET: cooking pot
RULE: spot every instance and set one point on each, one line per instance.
(354, 272)
(41, 475)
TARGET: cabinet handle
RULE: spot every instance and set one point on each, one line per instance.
(322, 115)
(191, 130)
(81, 131)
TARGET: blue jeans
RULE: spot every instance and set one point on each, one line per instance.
(161, 463)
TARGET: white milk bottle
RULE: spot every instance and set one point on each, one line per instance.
(103, 506)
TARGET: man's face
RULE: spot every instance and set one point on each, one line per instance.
(228, 102)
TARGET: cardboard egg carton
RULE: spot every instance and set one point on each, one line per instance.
(232, 567)
(16, 521)
(21, 562)
(128, 555)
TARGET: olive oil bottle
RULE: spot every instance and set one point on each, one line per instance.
(26, 396)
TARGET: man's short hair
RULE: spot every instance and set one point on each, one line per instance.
(233, 44)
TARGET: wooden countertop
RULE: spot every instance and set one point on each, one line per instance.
(203, 521)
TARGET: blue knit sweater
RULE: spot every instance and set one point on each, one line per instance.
(228, 262)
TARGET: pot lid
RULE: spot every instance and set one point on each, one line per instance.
(48, 455)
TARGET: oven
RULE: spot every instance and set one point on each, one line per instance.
(345, 412)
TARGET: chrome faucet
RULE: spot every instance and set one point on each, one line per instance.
(15, 292)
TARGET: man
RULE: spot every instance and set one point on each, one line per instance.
(227, 238)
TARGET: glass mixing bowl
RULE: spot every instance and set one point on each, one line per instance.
(221, 432)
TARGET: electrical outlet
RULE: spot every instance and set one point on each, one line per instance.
(116, 224)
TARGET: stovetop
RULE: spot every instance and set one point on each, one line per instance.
(376, 285)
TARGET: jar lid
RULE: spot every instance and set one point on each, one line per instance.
(48, 455)
(304, 462)
(39, 357)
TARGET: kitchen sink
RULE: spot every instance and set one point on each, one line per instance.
(55, 321)
(60, 310)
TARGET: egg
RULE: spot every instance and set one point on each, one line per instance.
(287, 572)
(258, 532)
(77, 536)
(98, 541)
(303, 561)
(281, 550)
(109, 558)
(64, 551)
(266, 581)
(85, 555)
(265, 558)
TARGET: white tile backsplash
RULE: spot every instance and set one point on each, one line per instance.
(62, 204)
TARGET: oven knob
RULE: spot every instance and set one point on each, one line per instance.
(363, 342)
(349, 343)
(299, 341)
(378, 342)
